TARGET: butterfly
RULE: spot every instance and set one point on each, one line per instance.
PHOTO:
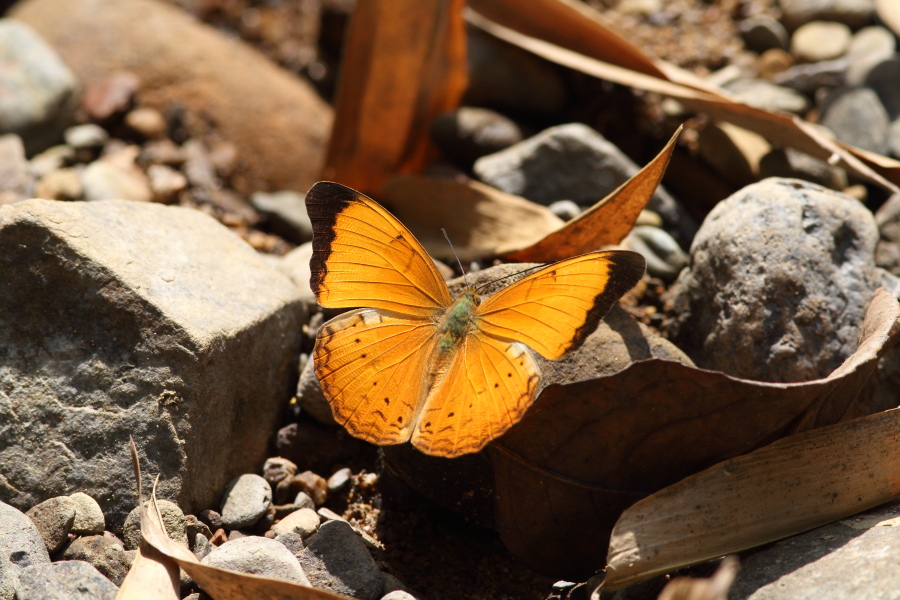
(448, 375)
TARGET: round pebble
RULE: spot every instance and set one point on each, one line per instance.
(304, 522)
(89, 517)
(88, 136)
(276, 468)
(302, 500)
(314, 485)
(259, 556)
(173, 520)
(105, 552)
(148, 122)
(565, 209)
(54, 519)
(165, 182)
(820, 40)
(292, 541)
(339, 479)
(246, 499)
(763, 33)
(60, 184)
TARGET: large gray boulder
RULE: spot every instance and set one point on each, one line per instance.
(123, 319)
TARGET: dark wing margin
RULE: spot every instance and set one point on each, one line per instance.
(324, 202)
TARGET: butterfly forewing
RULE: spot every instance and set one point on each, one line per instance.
(556, 308)
(488, 386)
(371, 366)
(364, 257)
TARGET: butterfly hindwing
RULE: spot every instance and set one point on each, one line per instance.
(370, 365)
(556, 308)
(488, 386)
(364, 256)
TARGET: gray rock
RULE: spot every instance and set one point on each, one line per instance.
(64, 580)
(664, 256)
(310, 396)
(16, 182)
(809, 78)
(820, 40)
(857, 117)
(763, 33)
(887, 253)
(295, 264)
(781, 274)
(572, 162)
(392, 585)
(286, 212)
(852, 558)
(336, 559)
(20, 546)
(103, 180)
(793, 164)
(339, 479)
(40, 93)
(246, 499)
(853, 13)
(172, 517)
(277, 469)
(869, 47)
(304, 501)
(884, 78)
(768, 96)
(304, 522)
(509, 79)
(105, 552)
(54, 518)
(136, 319)
(88, 515)
(201, 547)
(51, 159)
(291, 540)
(87, 136)
(259, 556)
(468, 133)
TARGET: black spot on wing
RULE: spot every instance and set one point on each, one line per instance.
(324, 202)
(625, 270)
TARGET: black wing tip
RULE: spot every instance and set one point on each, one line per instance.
(325, 200)
(627, 269)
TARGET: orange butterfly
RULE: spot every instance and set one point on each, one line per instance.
(448, 375)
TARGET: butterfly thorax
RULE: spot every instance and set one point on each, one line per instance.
(457, 321)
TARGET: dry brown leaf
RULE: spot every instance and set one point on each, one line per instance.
(790, 486)
(220, 584)
(152, 576)
(404, 63)
(700, 588)
(605, 223)
(586, 451)
(778, 128)
(480, 220)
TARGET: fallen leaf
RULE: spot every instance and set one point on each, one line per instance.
(582, 23)
(218, 583)
(586, 451)
(793, 485)
(152, 575)
(480, 220)
(404, 63)
(605, 223)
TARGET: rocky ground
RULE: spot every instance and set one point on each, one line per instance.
(152, 319)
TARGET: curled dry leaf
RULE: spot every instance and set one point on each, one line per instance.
(218, 583)
(586, 451)
(404, 63)
(701, 588)
(579, 38)
(788, 487)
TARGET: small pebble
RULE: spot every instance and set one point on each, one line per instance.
(302, 500)
(89, 136)
(337, 559)
(884, 78)
(89, 517)
(763, 33)
(304, 522)
(857, 117)
(165, 182)
(105, 552)
(64, 579)
(664, 256)
(286, 211)
(147, 122)
(276, 469)
(110, 96)
(173, 519)
(51, 159)
(338, 480)
(820, 40)
(246, 499)
(398, 595)
(258, 556)
(314, 485)
(54, 518)
(61, 184)
(774, 61)
(102, 180)
(202, 546)
(292, 541)
(15, 175)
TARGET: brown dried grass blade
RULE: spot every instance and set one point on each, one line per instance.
(220, 584)
(605, 223)
(404, 63)
(793, 485)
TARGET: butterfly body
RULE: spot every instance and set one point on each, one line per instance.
(446, 375)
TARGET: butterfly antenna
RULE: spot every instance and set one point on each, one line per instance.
(459, 262)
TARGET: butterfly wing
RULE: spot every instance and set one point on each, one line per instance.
(487, 388)
(371, 365)
(364, 256)
(556, 308)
